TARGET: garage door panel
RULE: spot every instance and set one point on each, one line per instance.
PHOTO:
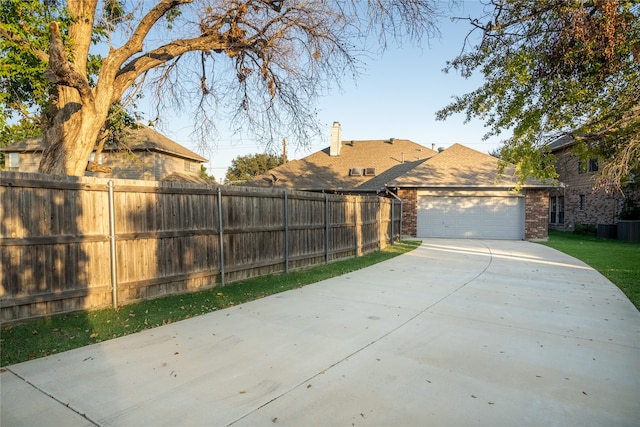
(471, 217)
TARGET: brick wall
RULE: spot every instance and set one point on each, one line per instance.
(536, 218)
(597, 207)
(409, 197)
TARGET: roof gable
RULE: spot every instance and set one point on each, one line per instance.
(458, 166)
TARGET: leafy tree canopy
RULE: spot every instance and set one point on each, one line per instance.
(24, 41)
(205, 175)
(243, 168)
(557, 67)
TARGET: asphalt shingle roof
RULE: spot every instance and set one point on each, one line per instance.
(563, 141)
(320, 171)
(141, 138)
(144, 138)
(459, 166)
(399, 164)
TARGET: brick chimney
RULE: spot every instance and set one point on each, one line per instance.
(335, 142)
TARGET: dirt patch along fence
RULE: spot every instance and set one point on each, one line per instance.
(70, 244)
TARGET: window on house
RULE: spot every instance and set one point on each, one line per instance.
(556, 210)
(355, 171)
(189, 166)
(369, 171)
(13, 161)
(582, 201)
(589, 166)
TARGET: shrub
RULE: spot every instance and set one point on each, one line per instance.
(631, 210)
(585, 229)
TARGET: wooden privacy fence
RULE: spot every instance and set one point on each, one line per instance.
(69, 244)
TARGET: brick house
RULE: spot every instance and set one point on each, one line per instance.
(448, 193)
(576, 201)
(149, 156)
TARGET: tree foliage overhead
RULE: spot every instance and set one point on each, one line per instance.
(264, 62)
(24, 43)
(244, 168)
(552, 68)
(23, 87)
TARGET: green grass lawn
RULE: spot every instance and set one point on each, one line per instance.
(43, 337)
(618, 261)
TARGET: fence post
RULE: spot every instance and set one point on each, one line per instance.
(357, 224)
(380, 223)
(400, 225)
(220, 236)
(393, 209)
(326, 229)
(286, 232)
(112, 247)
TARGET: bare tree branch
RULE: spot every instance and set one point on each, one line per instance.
(135, 43)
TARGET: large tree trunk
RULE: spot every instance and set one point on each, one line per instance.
(70, 135)
(72, 124)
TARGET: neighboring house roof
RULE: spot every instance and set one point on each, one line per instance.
(185, 177)
(25, 146)
(561, 142)
(321, 171)
(457, 167)
(142, 138)
(145, 138)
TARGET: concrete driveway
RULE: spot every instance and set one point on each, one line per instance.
(455, 333)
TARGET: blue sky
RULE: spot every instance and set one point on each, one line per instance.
(396, 97)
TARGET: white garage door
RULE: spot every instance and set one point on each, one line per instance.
(471, 216)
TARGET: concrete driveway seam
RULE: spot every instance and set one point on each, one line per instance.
(65, 406)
